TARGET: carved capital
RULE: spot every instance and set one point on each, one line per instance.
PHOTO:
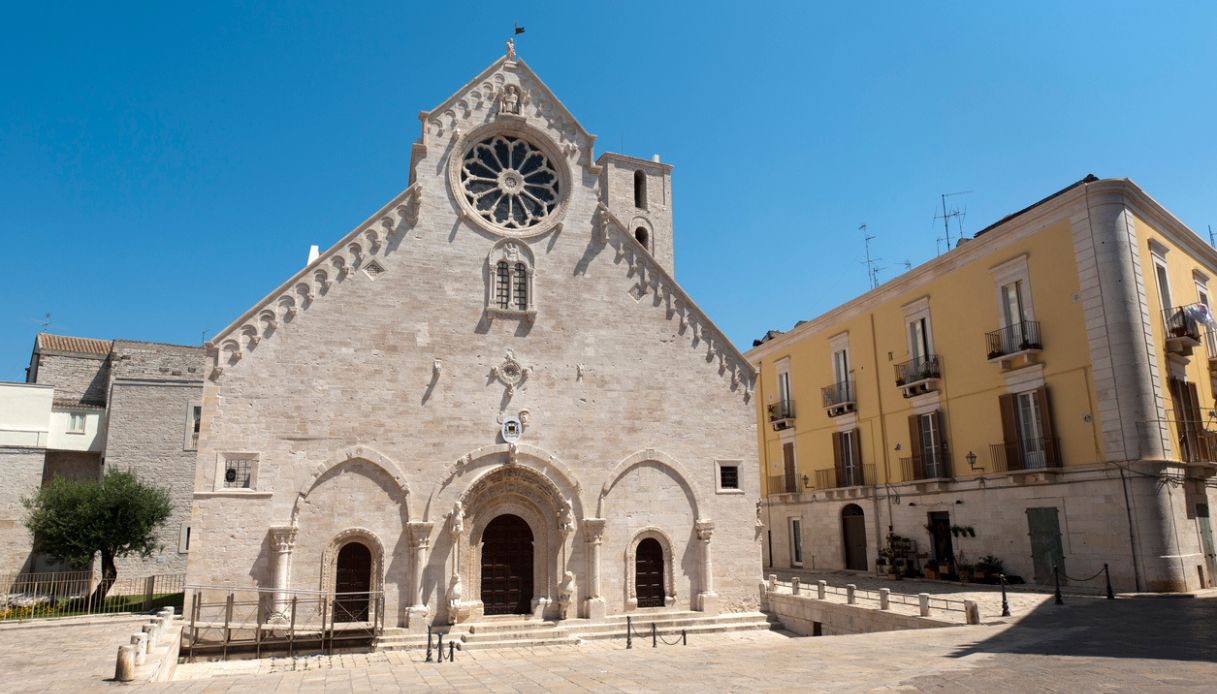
(283, 538)
(420, 533)
(593, 530)
(705, 528)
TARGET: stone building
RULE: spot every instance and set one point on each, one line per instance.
(491, 397)
(88, 404)
(1043, 393)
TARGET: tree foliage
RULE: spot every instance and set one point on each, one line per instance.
(116, 516)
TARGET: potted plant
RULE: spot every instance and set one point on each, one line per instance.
(966, 572)
(931, 569)
(989, 567)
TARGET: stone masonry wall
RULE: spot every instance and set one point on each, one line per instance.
(22, 469)
(79, 378)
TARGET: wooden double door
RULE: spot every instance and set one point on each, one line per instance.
(507, 566)
(352, 583)
(648, 573)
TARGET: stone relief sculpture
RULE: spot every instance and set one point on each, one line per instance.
(566, 593)
(511, 100)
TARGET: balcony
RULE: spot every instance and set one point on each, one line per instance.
(781, 414)
(919, 376)
(1184, 326)
(839, 398)
(1027, 454)
(933, 465)
(781, 484)
(854, 476)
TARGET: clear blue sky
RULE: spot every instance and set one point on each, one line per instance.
(164, 165)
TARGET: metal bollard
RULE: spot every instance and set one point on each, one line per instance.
(451, 650)
(654, 636)
(1056, 577)
(629, 632)
(850, 598)
(923, 602)
(794, 586)
(124, 668)
(1005, 604)
(441, 649)
(429, 658)
(971, 612)
(684, 638)
(140, 641)
(885, 598)
(1110, 594)
(821, 589)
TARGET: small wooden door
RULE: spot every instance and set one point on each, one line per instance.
(1044, 529)
(944, 548)
(1206, 541)
(507, 566)
(648, 573)
(853, 527)
(352, 581)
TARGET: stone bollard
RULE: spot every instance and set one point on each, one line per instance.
(821, 589)
(773, 583)
(924, 602)
(150, 632)
(850, 598)
(885, 598)
(124, 668)
(971, 612)
(140, 641)
(794, 586)
(161, 628)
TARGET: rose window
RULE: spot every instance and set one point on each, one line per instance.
(509, 182)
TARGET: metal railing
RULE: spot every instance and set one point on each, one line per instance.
(75, 593)
(840, 393)
(782, 409)
(932, 464)
(1191, 440)
(1016, 337)
(257, 620)
(1184, 322)
(919, 369)
(853, 476)
(1027, 454)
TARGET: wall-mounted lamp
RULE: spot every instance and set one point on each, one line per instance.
(971, 458)
(806, 482)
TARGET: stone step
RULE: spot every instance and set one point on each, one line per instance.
(520, 635)
(564, 640)
(704, 626)
(509, 627)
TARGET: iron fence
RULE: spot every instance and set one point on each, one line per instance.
(1016, 337)
(76, 593)
(918, 369)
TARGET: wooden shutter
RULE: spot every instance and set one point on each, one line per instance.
(944, 462)
(855, 441)
(790, 472)
(1009, 430)
(838, 458)
(1197, 420)
(1051, 447)
(916, 447)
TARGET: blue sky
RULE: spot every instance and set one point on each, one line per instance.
(164, 165)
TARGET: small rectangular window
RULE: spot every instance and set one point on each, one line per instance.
(728, 477)
(238, 473)
(196, 423)
(76, 423)
(183, 539)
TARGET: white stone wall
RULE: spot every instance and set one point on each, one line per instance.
(619, 362)
(22, 478)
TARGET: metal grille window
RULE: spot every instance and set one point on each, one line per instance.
(502, 293)
(238, 473)
(521, 287)
(728, 477)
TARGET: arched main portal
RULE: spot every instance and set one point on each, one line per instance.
(853, 528)
(507, 566)
(352, 583)
(648, 573)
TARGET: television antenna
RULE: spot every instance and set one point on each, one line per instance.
(872, 266)
(948, 215)
(45, 322)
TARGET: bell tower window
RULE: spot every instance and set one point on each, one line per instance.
(640, 190)
(640, 234)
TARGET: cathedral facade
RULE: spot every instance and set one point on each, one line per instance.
(491, 397)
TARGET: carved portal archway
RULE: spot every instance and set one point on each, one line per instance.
(631, 566)
(329, 559)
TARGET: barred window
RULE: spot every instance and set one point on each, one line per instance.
(238, 473)
(521, 288)
(503, 286)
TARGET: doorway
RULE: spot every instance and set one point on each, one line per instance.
(507, 555)
(1206, 541)
(352, 583)
(1044, 527)
(940, 536)
(648, 573)
(853, 527)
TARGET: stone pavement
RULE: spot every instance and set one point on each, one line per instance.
(1166, 644)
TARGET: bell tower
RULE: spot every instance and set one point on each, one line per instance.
(638, 193)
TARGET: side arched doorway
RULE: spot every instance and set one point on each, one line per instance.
(648, 573)
(352, 583)
(507, 561)
(853, 528)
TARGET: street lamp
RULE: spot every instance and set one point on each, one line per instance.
(971, 458)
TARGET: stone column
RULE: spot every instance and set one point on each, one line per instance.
(707, 599)
(282, 539)
(456, 592)
(420, 542)
(593, 534)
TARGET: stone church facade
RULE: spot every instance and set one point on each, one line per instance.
(490, 397)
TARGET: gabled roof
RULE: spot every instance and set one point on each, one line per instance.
(75, 345)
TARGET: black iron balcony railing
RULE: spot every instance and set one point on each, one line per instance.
(919, 369)
(1016, 337)
(1027, 454)
(928, 465)
(1185, 322)
(837, 394)
(782, 409)
(850, 476)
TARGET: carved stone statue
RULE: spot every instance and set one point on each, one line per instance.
(566, 593)
(511, 49)
(566, 521)
(458, 518)
(455, 594)
(511, 100)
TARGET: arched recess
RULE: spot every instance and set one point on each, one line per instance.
(371, 455)
(487, 459)
(329, 558)
(650, 455)
(631, 565)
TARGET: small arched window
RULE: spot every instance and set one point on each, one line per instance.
(509, 290)
(640, 234)
(502, 285)
(640, 190)
(521, 287)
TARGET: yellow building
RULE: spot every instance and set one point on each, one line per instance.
(1041, 393)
